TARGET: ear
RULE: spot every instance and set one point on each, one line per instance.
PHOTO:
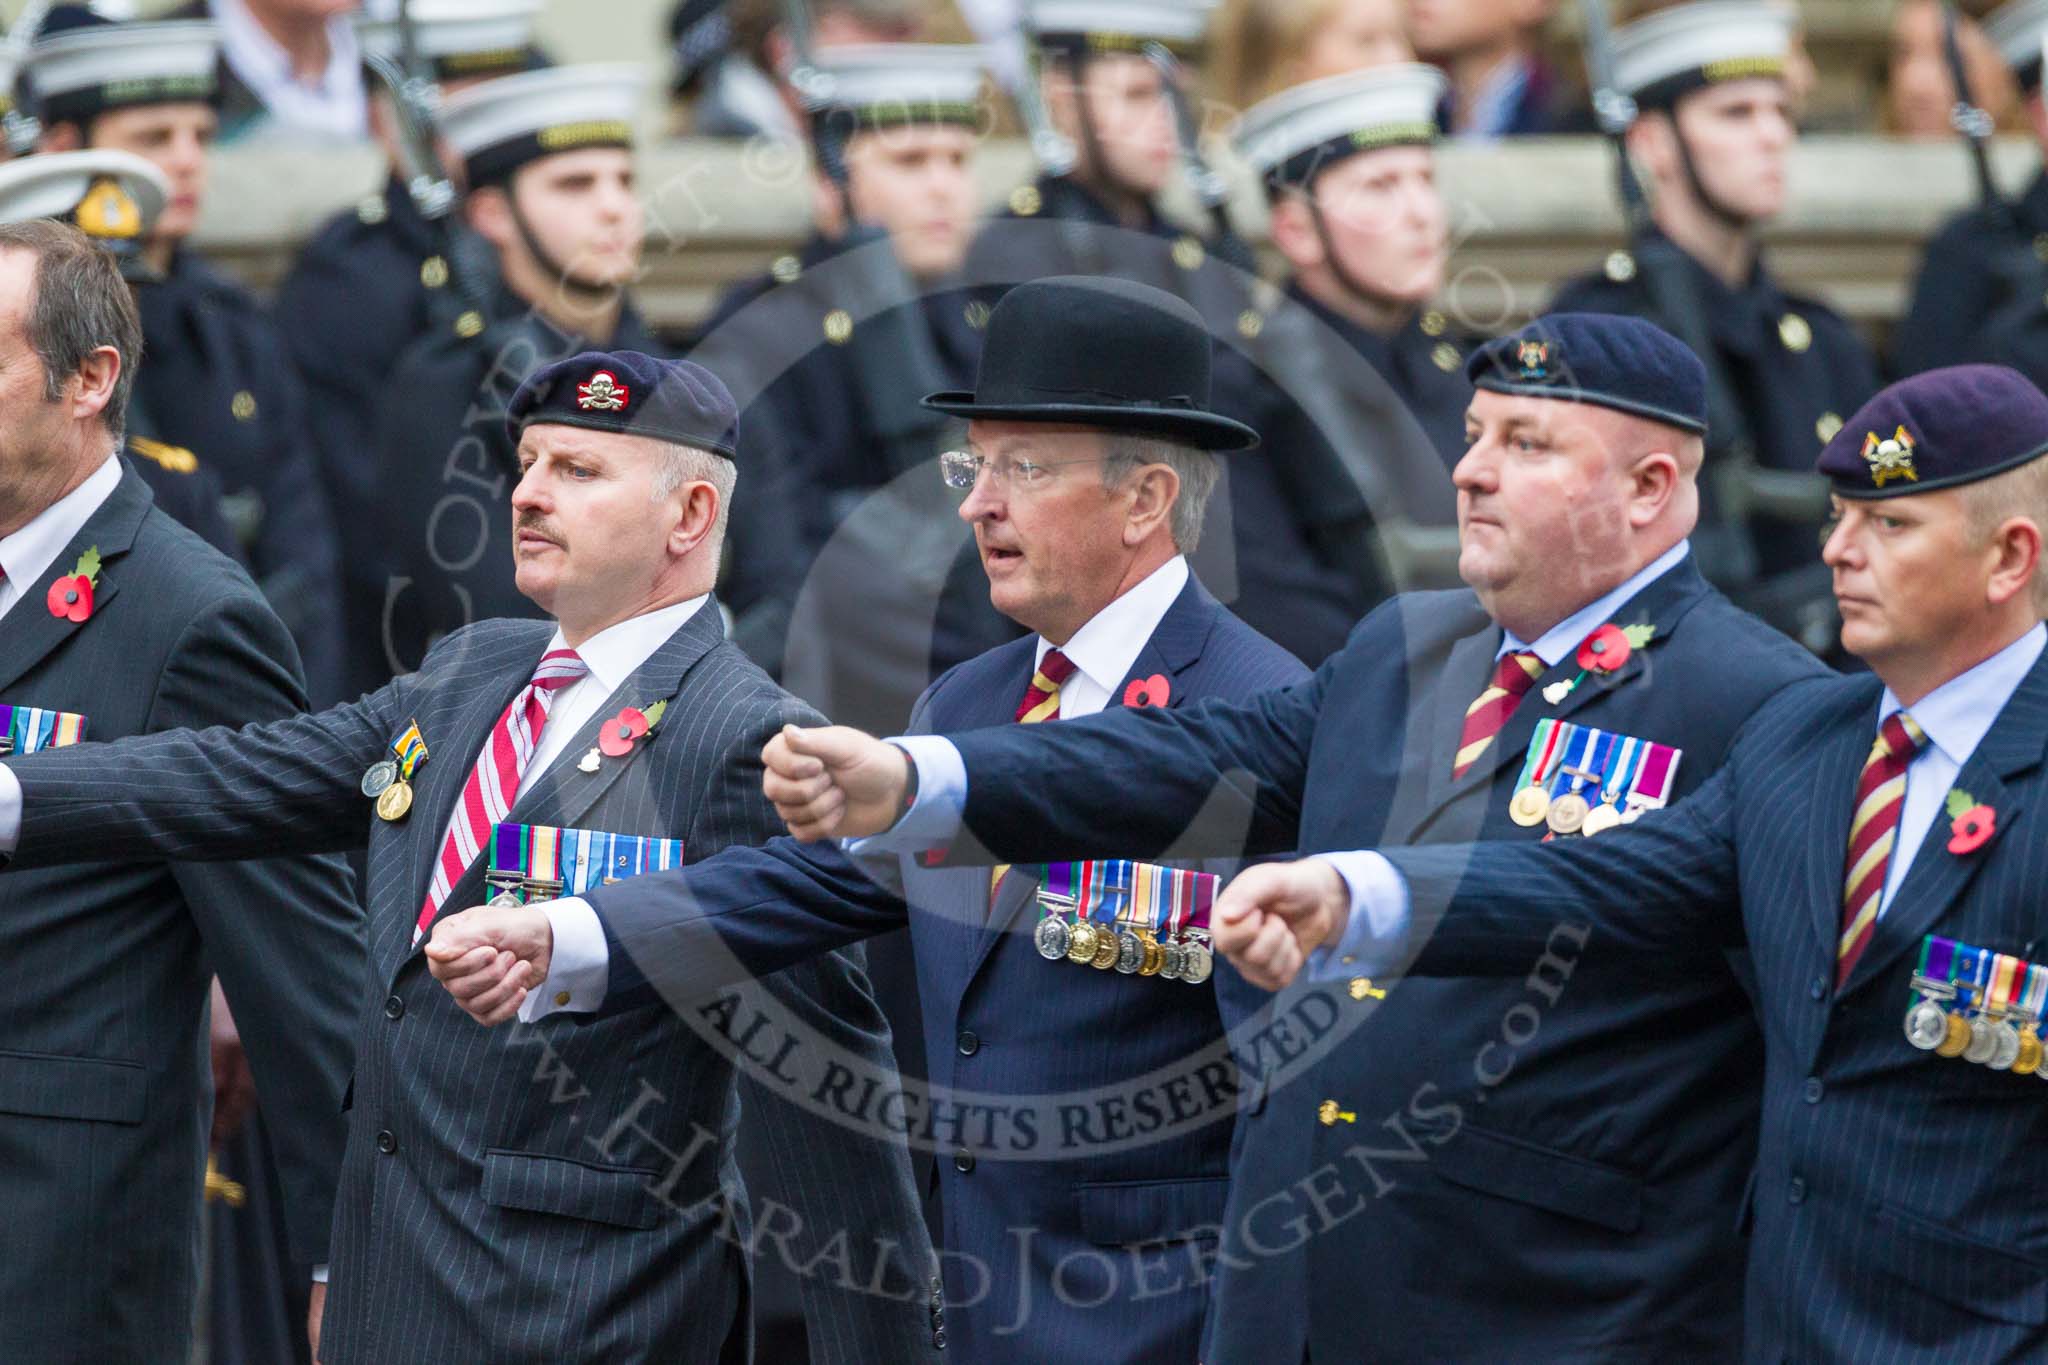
(1294, 231)
(1652, 481)
(1653, 142)
(699, 515)
(2016, 560)
(60, 137)
(1153, 490)
(489, 211)
(1062, 104)
(94, 382)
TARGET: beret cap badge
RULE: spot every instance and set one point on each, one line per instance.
(602, 393)
(1890, 458)
(1534, 358)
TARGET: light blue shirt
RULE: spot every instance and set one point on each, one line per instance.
(1955, 717)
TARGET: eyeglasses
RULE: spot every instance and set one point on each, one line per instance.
(962, 469)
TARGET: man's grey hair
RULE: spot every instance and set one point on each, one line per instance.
(1124, 454)
(680, 464)
(81, 303)
(2021, 492)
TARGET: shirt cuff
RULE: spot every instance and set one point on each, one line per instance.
(1379, 918)
(319, 1274)
(10, 809)
(579, 968)
(933, 820)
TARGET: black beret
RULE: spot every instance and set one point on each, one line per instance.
(626, 391)
(1615, 362)
(1938, 430)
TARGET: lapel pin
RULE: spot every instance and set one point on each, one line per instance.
(70, 596)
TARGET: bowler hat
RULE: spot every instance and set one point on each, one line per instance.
(1098, 352)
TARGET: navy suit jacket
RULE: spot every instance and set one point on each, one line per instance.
(1082, 1119)
(567, 1189)
(1486, 1188)
(1899, 1213)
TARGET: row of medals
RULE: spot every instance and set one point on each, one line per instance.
(1134, 952)
(2009, 1042)
(1570, 813)
(392, 793)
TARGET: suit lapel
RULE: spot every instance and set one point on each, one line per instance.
(1173, 648)
(30, 632)
(2012, 747)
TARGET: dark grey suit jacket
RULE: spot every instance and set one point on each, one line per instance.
(564, 1190)
(105, 1089)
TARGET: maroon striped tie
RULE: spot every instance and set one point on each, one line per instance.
(1513, 676)
(1041, 703)
(1880, 796)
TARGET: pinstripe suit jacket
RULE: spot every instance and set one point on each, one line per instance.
(1898, 1206)
(565, 1190)
(1082, 1229)
(104, 1083)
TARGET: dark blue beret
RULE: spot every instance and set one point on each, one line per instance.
(626, 391)
(1937, 430)
(1614, 362)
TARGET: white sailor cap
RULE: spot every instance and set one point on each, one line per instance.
(2019, 30)
(1676, 51)
(1079, 28)
(83, 65)
(1291, 136)
(502, 124)
(888, 84)
(459, 38)
(112, 197)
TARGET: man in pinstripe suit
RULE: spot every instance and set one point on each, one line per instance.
(1897, 1210)
(1072, 1227)
(563, 1191)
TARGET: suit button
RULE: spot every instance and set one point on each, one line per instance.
(1796, 1191)
(387, 1142)
(394, 1008)
(968, 1043)
(963, 1161)
(939, 1338)
(1813, 1090)
(1818, 988)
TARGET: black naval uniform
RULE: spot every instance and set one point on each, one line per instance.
(218, 380)
(1294, 512)
(1979, 297)
(445, 470)
(1794, 366)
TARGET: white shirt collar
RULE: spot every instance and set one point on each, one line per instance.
(1959, 713)
(1105, 648)
(334, 107)
(1567, 635)
(614, 653)
(28, 554)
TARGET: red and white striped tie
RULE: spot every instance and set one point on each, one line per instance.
(494, 783)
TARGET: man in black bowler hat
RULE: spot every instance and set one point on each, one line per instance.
(1068, 1228)
(563, 1189)
(1454, 1168)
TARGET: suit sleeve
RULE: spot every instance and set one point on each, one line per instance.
(283, 934)
(834, 1177)
(218, 793)
(1667, 883)
(1214, 780)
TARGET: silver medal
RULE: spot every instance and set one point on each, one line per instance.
(1176, 959)
(1195, 970)
(1053, 938)
(2005, 1046)
(1926, 1025)
(1983, 1041)
(1130, 953)
(379, 776)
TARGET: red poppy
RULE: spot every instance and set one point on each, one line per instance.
(619, 733)
(1972, 829)
(1152, 691)
(71, 597)
(1605, 650)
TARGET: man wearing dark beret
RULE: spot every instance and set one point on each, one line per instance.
(1877, 842)
(567, 1189)
(1436, 1168)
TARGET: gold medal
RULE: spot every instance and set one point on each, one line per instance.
(1599, 820)
(1568, 814)
(1155, 956)
(1105, 951)
(1958, 1037)
(1082, 949)
(395, 801)
(1529, 807)
(2029, 1060)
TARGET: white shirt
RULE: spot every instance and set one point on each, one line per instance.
(1102, 652)
(335, 106)
(29, 553)
(1955, 716)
